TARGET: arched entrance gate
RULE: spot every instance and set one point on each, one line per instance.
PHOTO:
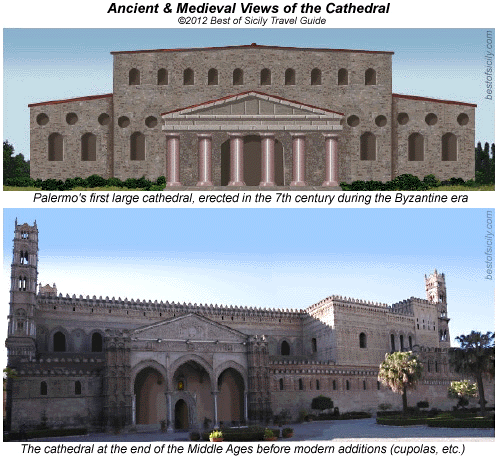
(193, 398)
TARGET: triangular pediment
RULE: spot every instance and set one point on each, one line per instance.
(252, 104)
(190, 327)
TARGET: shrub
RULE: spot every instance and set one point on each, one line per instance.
(161, 181)
(423, 404)
(131, 183)
(115, 182)
(96, 181)
(52, 184)
(321, 403)
(194, 436)
(287, 432)
(470, 422)
(384, 406)
(431, 181)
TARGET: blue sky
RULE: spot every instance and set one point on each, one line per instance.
(50, 64)
(267, 258)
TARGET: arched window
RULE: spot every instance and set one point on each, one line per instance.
(416, 147)
(317, 384)
(449, 147)
(281, 384)
(24, 258)
(78, 388)
(265, 77)
(285, 348)
(314, 345)
(238, 77)
(301, 384)
(162, 77)
(343, 77)
(410, 343)
(43, 388)
(96, 342)
(290, 77)
(393, 343)
(59, 342)
(134, 77)
(89, 146)
(137, 146)
(347, 385)
(188, 77)
(378, 385)
(334, 385)
(213, 77)
(362, 340)
(55, 147)
(401, 342)
(316, 77)
(368, 146)
(364, 385)
(370, 77)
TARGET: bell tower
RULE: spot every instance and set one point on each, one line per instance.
(435, 288)
(23, 281)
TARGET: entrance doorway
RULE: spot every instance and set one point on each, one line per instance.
(252, 156)
(181, 420)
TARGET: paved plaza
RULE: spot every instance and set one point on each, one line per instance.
(313, 431)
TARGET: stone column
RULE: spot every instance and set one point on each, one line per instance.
(331, 160)
(173, 160)
(245, 414)
(216, 417)
(298, 159)
(170, 428)
(267, 160)
(204, 160)
(236, 159)
(133, 410)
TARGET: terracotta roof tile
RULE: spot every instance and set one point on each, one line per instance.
(252, 46)
(437, 100)
(78, 99)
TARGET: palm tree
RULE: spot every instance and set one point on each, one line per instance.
(475, 356)
(400, 371)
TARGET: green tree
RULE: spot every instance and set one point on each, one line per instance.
(400, 371)
(14, 166)
(462, 390)
(476, 357)
(322, 403)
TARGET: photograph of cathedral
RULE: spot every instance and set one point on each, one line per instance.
(88, 360)
(252, 115)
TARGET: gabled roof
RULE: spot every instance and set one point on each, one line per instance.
(295, 105)
(436, 100)
(253, 46)
(78, 99)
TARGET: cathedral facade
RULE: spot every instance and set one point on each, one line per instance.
(262, 116)
(97, 360)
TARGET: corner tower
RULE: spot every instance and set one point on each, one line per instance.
(435, 288)
(24, 273)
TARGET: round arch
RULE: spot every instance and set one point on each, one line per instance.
(231, 396)
(149, 391)
(147, 364)
(240, 369)
(172, 369)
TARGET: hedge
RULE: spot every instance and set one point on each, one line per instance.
(253, 433)
(401, 421)
(90, 182)
(470, 422)
(406, 182)
(47, 433)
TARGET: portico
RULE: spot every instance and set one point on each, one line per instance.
(263, 118)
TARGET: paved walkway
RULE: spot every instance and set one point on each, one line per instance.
(314, 431)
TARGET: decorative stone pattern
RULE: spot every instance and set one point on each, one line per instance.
(159, 93)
